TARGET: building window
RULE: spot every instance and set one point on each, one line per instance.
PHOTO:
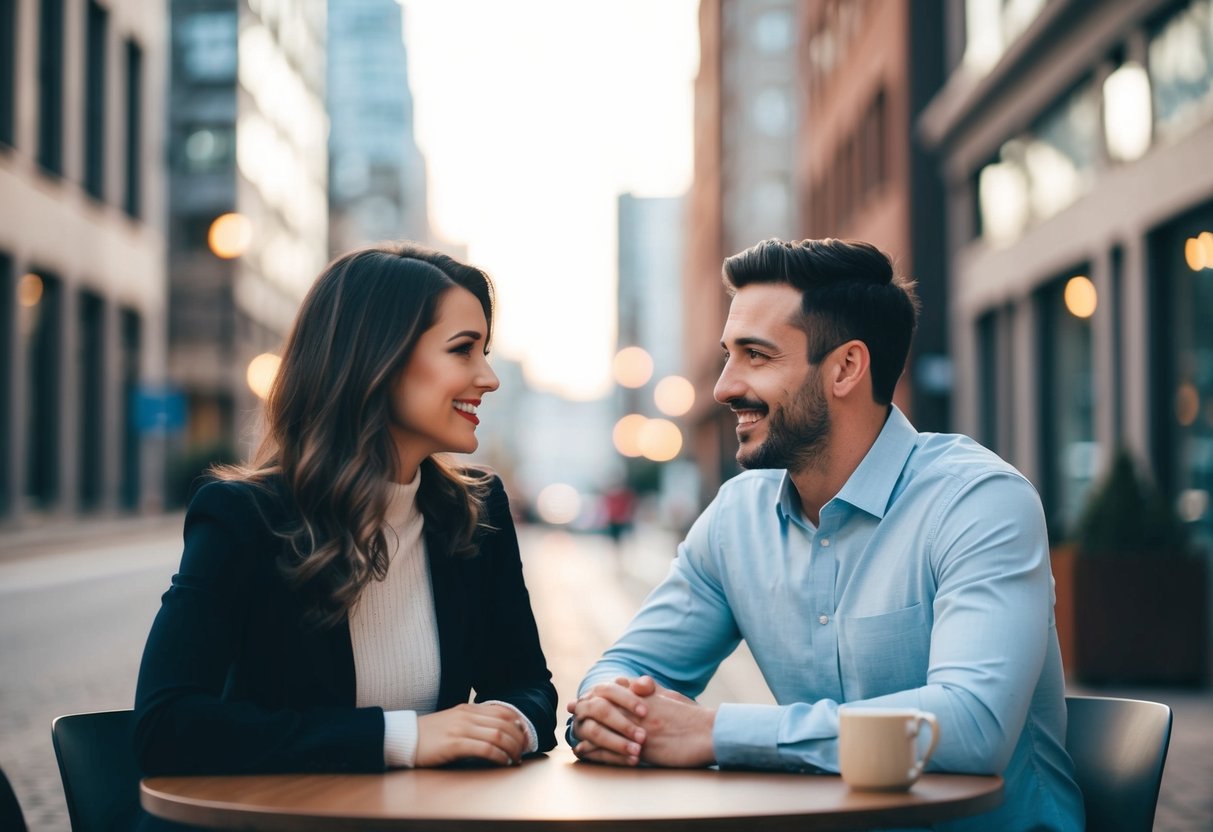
(1042, 171)
(1182, 304)
(1069, 452)
(1181, 69)
(39, 301)
(50, 86)
(206, 47)
(133, 202)
(94, 99)
(131, 338)
(8, 68)
(90, 375)
(208, 148)
(875, 144)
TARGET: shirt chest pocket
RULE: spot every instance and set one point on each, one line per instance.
(885, 653)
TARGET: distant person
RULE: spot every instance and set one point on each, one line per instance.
(862, 561)
(619, 505)
(340, 597)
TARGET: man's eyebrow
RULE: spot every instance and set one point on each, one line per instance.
(471, 333)
(752, 342)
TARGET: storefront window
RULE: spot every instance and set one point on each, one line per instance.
(1184, 256)
(1069, 450)
(1181, 69)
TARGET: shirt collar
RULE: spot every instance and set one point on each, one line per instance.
(870, 486)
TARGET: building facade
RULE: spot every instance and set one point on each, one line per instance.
(377, 177)
(248, 221)
(1075, 141)
(868, 68)
(82, 256)
(743, 190)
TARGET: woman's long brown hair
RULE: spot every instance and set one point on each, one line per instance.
(328, 414)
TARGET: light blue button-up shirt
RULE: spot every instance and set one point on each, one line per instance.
(926, 585)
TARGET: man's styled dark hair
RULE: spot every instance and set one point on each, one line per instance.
(848, 292)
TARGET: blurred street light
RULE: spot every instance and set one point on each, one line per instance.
(558, 504)
(261, 373)
(674, 395)
(230, 235)
(626, 434)
(660, 440)
(1080, 297)
(29, 290)
(633, 367)
(1198, 251)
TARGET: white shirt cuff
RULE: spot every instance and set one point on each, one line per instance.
(400, 738)
(532, 739)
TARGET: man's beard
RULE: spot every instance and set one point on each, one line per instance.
(796, 434)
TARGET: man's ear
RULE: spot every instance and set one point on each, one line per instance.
(851, 366)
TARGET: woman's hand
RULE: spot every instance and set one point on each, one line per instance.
(487, 732)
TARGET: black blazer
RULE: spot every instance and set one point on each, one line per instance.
(231, 682)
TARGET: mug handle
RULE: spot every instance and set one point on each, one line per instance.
(913, 728)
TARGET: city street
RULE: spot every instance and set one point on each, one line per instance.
(73, 617)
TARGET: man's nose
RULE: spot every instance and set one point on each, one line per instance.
(728, 387)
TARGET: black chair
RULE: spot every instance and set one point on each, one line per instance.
(11, 817)
(1119, 748)
(97, 765)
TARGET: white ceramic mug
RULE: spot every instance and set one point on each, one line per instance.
(878, 748)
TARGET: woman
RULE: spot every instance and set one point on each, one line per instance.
(338, 599)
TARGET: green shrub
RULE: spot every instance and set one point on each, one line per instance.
(1126, 515)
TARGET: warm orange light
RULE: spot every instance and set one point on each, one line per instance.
(1187, 404)
(29, 290)
(633, 367)
(1080, 296)
(261, 373)
(1194, 254)
(230, 235)
(674, 395)
(1205, 240)
(660, 440)
(626, 434)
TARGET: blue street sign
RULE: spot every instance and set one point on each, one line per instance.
(158, 409)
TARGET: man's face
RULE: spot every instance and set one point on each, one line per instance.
(783, 419)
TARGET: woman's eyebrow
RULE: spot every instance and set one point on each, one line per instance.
(470, 333)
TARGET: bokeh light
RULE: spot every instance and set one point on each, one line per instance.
(1187, 404)
(29, 290)
(558, 504)
(660, 440)
(633, 367)
(261, 373)
(626, 434)
(230, 235)
(674, 395)
(1080, 297)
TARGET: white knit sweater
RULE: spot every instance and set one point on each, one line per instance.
(394, 634)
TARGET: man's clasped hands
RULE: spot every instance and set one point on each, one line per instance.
(630, 721)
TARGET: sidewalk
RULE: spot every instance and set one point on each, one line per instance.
(60, 534)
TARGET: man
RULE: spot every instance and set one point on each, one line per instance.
(862, 562)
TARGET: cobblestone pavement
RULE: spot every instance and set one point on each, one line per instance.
(73, 617)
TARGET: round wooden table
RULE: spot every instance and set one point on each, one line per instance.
(558, 793)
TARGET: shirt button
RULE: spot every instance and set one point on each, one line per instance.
(823, 619)
(825, 541)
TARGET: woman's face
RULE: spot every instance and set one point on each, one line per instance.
(435, 396)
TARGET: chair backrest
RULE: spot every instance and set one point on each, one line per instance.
(97, 765)
(11, 817)
(1119, 748)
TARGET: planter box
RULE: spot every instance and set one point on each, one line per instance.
(1131, 620)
